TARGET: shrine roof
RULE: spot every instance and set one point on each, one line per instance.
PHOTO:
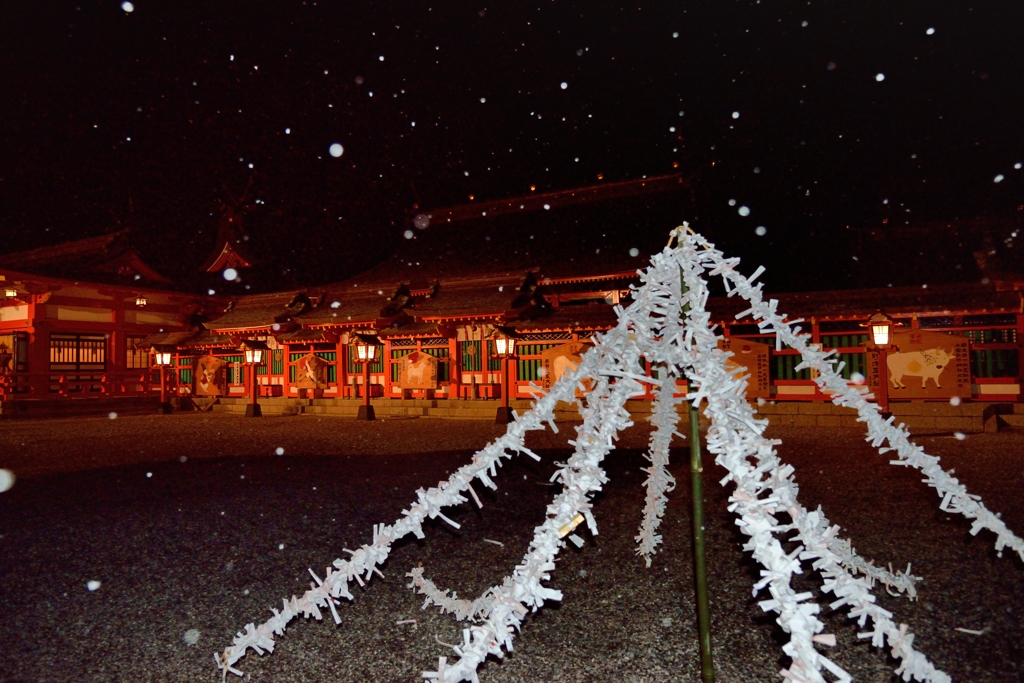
(167, 338)
(564, 242)
(586, 317)
(971, 299)
(307, 335)
(104, 258)
(470, 297)
(414, 329)
(348, 304)
(260, 310)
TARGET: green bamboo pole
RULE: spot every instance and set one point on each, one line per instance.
(700, 563)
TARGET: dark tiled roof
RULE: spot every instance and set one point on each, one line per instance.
(895, 301)
(108, 258)
(470, 297)
(307, 335)
(589, 317)
(415, 329)
(563, 242)
(261, 310)
(167, 338)
(345, 304)
(207, 339)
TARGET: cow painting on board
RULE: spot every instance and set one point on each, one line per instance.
(211, 379)
(926, 365)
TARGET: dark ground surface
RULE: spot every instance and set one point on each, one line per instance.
(195, 545)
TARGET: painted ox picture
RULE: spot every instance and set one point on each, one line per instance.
(924, 365)
(927, 364)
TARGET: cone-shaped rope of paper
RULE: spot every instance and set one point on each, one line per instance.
(734, 435)
(665, 418)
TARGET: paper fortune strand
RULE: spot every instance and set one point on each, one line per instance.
(734, 436)
(660, 482)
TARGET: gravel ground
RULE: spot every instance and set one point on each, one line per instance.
(182, 518)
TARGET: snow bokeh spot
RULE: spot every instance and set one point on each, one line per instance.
(337, 150)
(279, 451)
(408, 234)
(998, 178)
(422, 221)
(6, 480)
(93, 585)
(127, 7)
(760, 231)
(112, 415)
(191, 636)
(954, 400)
(230, 274)
(880, 77)
(744, 211)
(634, 252)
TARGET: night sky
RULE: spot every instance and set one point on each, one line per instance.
(843, 128)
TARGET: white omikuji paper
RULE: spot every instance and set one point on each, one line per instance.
(682, 344)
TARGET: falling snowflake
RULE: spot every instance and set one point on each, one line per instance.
(127, 7)
(191, 636)
(564, 85)
(337, 150)
(880, 77)
(279, 451)
(93, 585)
(112, 416)
(634, 252)
(954, 401)
(6, 480)
(744, 211)
(930, 32)
(960, 436)
(230, 274)
(998, 178)
(735, 114)
(408, 234)
(760, 231)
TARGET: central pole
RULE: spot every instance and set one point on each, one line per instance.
(700, 563)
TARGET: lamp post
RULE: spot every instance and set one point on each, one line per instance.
(162, 358)
(255, 352)
(881, 337)
(505, 346)
(366, 353)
